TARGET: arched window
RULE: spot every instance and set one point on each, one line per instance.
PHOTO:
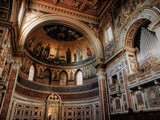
(108, 34)
(79, 78)
(63, 79)
(31, 73)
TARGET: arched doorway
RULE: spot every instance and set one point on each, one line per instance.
(53, 107)
(63, 78)
(47, 77)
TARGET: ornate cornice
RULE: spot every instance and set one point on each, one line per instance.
(108, 9)
(59, 10)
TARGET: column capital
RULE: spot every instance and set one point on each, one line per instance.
(16, 63)
(101, 75)
(100, 66)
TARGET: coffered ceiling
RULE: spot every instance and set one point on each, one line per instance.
(91, 7)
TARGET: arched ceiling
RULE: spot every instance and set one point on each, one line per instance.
(56, 43)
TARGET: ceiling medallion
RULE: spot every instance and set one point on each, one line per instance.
(61, 32)
(71, 3)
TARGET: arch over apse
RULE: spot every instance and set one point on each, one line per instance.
(75, 24)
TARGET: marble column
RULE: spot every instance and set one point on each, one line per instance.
(103, 91)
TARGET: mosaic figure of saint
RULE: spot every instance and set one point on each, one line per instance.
(80, 55)
(88, 51)
(37, 48)
(68, 56)
(46, 52)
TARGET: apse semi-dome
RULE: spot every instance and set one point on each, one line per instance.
(59, 44)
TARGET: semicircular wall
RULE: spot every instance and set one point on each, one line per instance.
(40, 91)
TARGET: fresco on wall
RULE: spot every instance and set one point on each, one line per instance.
(124, 10)
(153, 96)
(59, 45)
(110, 49)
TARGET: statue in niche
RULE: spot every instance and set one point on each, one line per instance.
(55, 75)
(31, 41)
(71, 75)
(75, 57)
(88, 51)
(68, 55)
(46, 52)
(37, 48)
(80, 55)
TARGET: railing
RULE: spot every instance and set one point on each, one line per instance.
(143, 78)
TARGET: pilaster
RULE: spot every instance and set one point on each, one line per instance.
(103, 91)
(15, 65)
